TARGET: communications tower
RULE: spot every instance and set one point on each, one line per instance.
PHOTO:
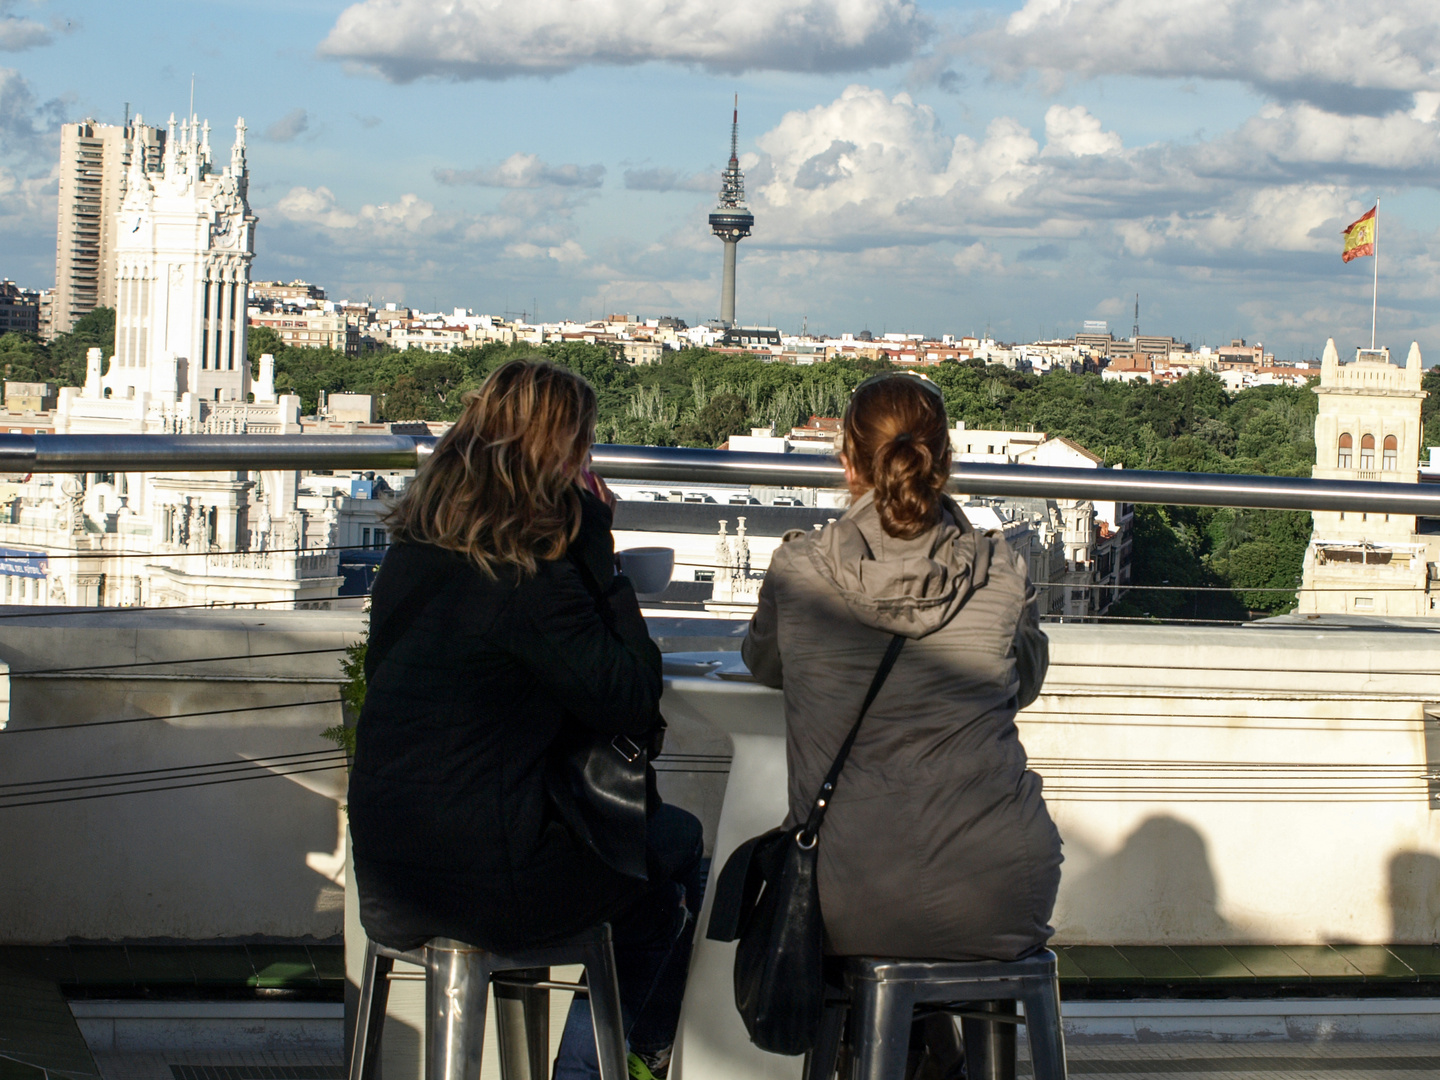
(731, 222)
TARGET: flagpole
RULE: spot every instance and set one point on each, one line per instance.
(1375, 293)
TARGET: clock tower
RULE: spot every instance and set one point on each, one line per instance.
(185, 239)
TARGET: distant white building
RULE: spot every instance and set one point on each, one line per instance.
(1368, 428)
(186, 239)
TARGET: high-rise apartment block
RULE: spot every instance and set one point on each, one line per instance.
(94, 162)
(19, 309)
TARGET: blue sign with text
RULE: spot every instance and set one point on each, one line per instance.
(15, 563)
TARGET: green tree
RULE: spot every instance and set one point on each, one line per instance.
(94, 330)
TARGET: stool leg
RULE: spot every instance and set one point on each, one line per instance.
(989, 1047)
(820, 1062)
(456, 984)
(1043, 1030)
(605, 1014)
(881, 1013)
(370, 1013)
(522, 1027)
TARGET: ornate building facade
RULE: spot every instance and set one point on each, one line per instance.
(186, 240)
(1368, 428)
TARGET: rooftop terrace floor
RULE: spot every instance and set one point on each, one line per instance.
(1171, 1061)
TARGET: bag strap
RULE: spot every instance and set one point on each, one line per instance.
(807, 836)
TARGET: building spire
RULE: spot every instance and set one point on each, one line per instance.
(735, 134)
(237, 152)
(732, 180)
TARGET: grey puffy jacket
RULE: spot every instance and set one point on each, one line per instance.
(937, 843)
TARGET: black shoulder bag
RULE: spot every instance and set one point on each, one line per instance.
(768, 896)
(599, 784)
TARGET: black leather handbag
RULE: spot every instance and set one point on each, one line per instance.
(601, 785)
(768, 897)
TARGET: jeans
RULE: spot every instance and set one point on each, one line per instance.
(652, 949)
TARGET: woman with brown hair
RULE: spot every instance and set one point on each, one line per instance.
(937, 843)
(498, 632)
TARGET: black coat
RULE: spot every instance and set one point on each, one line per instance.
(452, 832)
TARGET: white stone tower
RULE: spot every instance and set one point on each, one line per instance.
(1367, 428)
(185, 241)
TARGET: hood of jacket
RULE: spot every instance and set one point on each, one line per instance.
(907, 587)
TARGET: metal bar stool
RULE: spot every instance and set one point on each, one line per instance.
(457, 977)
(881, 997)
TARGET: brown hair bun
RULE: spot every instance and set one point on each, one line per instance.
(897, 441)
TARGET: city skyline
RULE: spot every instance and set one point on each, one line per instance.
(903, 183)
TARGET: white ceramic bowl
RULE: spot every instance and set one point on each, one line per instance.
(648, 568)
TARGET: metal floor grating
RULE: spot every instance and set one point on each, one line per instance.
(258, 1072)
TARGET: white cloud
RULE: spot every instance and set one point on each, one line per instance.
(1300, 139)
(289, 127)
(1342, 56)
(411, 230)
(18, 34)
(495, 39)
(29, 172)
(525, 171)
(869, 171)
(27, 127)
(1074, 131)
(662, 179)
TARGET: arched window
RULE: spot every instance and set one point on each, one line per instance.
(1343, 459)
(1392, 446)
(1367, 451)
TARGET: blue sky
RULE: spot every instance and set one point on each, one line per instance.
(930, 167)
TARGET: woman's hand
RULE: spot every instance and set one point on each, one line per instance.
(596, 486)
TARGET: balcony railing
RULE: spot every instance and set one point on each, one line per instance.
(218, 453)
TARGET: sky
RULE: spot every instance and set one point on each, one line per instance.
(932, 167)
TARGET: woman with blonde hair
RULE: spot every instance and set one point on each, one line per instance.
(937, 843)
(498, 632)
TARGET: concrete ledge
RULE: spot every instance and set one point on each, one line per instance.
(1275, 1020)
(167, 1026)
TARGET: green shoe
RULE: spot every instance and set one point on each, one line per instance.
(649, 1066)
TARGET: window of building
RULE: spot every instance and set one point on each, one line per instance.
(1343, 460)
(1367, 451)
(365, 538)
(379, 538)
(1364, 603)
(1392, 447)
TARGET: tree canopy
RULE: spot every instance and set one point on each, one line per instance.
(1213, 563)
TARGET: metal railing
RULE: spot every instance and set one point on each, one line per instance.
(202, 453)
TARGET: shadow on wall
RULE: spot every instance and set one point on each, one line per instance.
(1159, 888)
(1414, 898)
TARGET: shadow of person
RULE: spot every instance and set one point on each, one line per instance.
(1414, 898)
(1159, 888)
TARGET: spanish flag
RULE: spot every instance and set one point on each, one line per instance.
(1360, 237)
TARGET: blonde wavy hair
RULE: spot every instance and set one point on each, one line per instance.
(500, 486)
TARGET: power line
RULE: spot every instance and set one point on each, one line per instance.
(238, 605)
(262, 774)
(171, 716)
(183, 660)
(103, 554)
(76, 783)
